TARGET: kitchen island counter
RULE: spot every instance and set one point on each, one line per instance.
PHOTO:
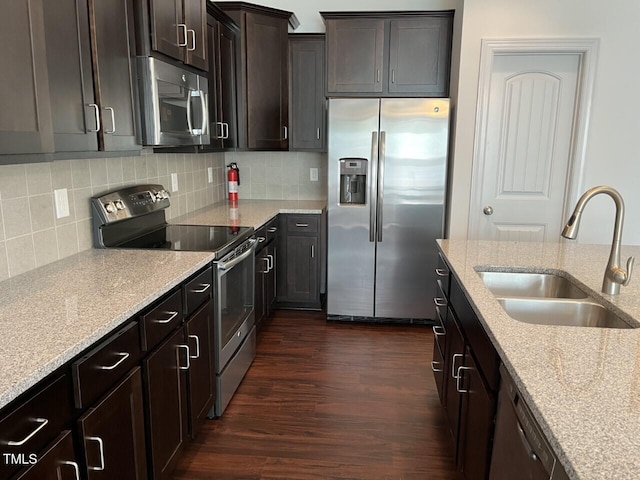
(582, 384)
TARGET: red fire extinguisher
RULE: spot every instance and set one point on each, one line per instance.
(233, 177)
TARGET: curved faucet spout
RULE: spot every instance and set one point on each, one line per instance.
(614, 275)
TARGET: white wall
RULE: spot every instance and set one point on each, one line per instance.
(611, 155)
(307, 11)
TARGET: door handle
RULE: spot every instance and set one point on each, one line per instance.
(453, 364)
(193, 40)
(113, 120)
(383, 144)
(187, 356)
(459, 378)
(372, 190)
(100, 467)
(488, 210)
(197, 354)
(96, 112)
(184, 34)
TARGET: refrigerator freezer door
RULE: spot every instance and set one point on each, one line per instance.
(411, 186)
(353, 133)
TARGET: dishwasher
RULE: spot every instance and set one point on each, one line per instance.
(520, 449)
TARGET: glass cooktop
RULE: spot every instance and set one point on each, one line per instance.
(198, 238)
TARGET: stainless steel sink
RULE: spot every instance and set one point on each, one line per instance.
(524, 284)
(573, 313)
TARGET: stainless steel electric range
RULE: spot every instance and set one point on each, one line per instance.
(134, 217)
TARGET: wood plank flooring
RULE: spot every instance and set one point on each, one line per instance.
(327, 400)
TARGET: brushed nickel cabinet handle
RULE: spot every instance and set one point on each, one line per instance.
(96, 112)
(113, 120)
(193, 40)
(173, 315)
(197, 354)
(187, 356)
(43, 423)
(123, 355)
(182, 26)
(100, 467)
(205, 287)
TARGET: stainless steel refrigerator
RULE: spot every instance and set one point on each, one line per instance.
(386, 194)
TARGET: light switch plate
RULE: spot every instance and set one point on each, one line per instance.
(210, 174)
(62, 202)
(174, 182)
(313, 174)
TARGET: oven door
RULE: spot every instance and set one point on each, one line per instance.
(233, 304)
(174, 105)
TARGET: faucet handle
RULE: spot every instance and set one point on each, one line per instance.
(630, 261)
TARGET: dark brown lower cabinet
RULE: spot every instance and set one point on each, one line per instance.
(455, 355)
(165, 393)
(58, 462)
(201, 373)
(112, 433)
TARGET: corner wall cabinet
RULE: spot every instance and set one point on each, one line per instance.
(376, 54)
(263, 86)
(308, 111)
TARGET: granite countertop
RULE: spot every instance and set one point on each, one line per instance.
(582, 384)
(51, 314)
(250, 213)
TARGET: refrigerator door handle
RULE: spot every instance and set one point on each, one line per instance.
(372, 187)
(383, 144)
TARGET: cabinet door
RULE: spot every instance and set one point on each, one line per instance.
(355, 50)
(168, 29)
(302, 268)
(165, 389)
(59, 462)
(25, 114)
(267, 82)
(112, 433)
(455, 349)
(307, 93)
(201, 373)
(222, 85)
(419, 56)
(73, 107)
(195, 16)
(477, 422)
(112, 23)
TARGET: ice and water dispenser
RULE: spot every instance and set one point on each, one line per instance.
(353, 180)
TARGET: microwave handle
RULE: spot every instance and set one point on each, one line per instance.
(189, 125)
(205, 112)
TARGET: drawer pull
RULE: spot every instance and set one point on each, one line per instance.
(440, 302)
(459, 380)
(441, 272)
(433, 366)
(261, 239)
(438, 331)
(188, 356)
(272, 229)
(205, 287)
(75, 466)
(302, 225)
(43, 423)
(270, 262)
(197, 355)
(173, 315)
(124, 356)
(453, 364)
(101, 448)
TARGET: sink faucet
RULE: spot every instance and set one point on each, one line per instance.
(614, 276)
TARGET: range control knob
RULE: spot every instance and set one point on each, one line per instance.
(120, 205)
(110, 207)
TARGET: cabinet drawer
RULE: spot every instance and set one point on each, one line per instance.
(36, 422)
(197, 290)
(104, 365)
(161, 320)
(303, 223)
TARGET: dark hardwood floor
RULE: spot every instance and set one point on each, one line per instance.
(327, 400)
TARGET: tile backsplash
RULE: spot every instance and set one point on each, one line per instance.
(30, 233)
(280, 175)
(32, 236)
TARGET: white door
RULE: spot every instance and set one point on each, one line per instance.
(526, 147)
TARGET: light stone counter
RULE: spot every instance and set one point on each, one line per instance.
(51, 314)
(250, 213)
(582, 384)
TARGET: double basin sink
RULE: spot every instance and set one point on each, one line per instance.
(548, 299)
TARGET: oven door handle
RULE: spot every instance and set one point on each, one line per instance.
(224, 267)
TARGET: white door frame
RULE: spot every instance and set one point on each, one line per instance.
(587, 49)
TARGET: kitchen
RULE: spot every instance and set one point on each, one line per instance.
(33, 237)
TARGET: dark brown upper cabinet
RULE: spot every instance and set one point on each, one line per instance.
(178, 29)
(308, 104)
(75, 113)
(263, 77)
(111, 24)
(25, 112)
(381, 54)
(223, 36)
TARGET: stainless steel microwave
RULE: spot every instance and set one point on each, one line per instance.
(174, 109)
